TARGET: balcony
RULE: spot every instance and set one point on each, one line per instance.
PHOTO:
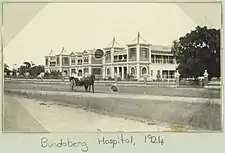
(52, 65)
(120, 60)
(164, 61)
(65, 64)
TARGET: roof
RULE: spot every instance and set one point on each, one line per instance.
(161, 48)
(139, 40)
(114, 44)
(72, 54)
(52, 53)
(85, 52)
(64, 52)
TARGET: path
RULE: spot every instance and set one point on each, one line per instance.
(27, 115)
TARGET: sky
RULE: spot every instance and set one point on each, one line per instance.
(80, 26)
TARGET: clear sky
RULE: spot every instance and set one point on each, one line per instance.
(91, 25)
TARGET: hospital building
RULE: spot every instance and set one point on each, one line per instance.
(138, 59)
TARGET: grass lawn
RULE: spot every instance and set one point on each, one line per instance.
(150, 90)
(205, 116)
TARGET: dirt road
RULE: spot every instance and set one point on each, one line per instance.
(27, 115)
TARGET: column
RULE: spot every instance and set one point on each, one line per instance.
(103, 68)
(177, 77)
(117, 71)
(205, 78)
(89, 69)
(112, 71)
(138, 60)
(111, 59)
(150, 61)
(60, 63)
(103, 72)
(122, 73)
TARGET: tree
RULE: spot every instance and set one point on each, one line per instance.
(198, 51)
(36, 70)
(6, 69)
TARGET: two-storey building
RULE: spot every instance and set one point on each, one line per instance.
(138, 59)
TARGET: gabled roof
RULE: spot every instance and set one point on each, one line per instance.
(139, 40)
(52, 53)
(64, 52)
(114, 44)
(72, 54)
(86, 52)
(78, 53)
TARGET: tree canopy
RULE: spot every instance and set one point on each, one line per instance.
(198, 51)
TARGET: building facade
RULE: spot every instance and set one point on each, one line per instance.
(138, 59)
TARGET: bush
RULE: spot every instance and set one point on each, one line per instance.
(110, 78)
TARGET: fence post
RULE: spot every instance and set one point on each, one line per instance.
(26, 75)
(205, 78)
(177, 77)
(145, 80)
(11, 74)
(17, 74)
(63, 76)
(116, 79)
(42, 76)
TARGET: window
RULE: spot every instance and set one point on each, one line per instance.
(165, 59)
(73, 71)
(46, 61)
(65, 61)
(108, 55)
(158, 74)
(108, 71)
(144, 70)
(80, 73)
(79, 62)
(96, 70)
(151, 72)
(132, 71)
(86, 59)
(52, 63)
(85, 70)
(153, 59)
(171, 60)
(52, 58)
(144, 53)
(171, 74)
(115, 69)
(115, 58)
(57, 61)
(158, 59)
(165, 74)
(132, 54)
(73, 60)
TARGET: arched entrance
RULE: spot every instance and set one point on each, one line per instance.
(144, 71)
(108, 72)
(132, 71)
(66, 72)
(80, 73)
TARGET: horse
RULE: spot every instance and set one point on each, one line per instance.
(87, 82)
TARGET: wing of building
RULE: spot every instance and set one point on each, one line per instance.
(138, 59)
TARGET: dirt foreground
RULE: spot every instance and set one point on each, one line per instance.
(186, 115)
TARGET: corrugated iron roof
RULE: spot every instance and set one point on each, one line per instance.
(161, 48)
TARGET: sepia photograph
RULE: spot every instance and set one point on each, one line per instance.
(112, 67)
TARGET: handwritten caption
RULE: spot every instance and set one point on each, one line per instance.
(110, 141)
